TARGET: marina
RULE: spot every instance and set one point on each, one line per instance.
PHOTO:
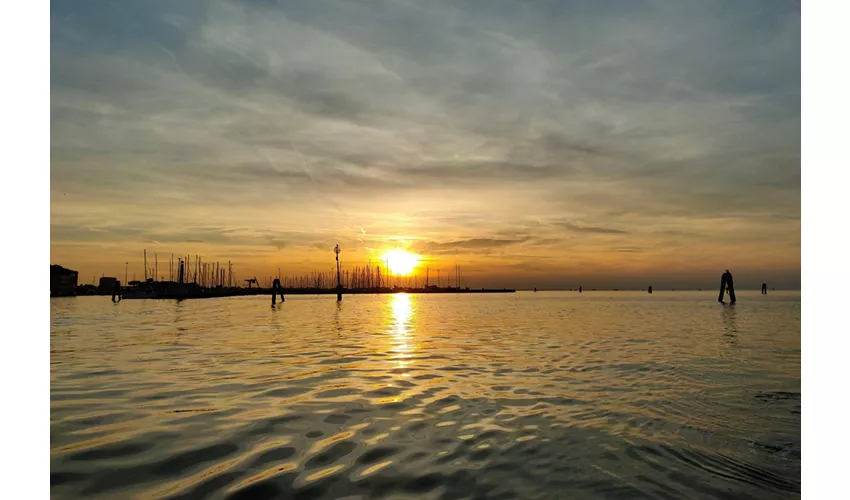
(190, 278)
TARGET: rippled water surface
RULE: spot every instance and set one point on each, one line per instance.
(526, 395)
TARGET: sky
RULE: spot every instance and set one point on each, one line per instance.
(553, 144)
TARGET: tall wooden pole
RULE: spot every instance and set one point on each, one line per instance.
(338, 280)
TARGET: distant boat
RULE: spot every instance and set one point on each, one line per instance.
(139, 290)
(139, 294)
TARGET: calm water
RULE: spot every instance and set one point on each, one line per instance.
(546, 395)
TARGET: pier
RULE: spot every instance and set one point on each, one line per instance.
(162, 290)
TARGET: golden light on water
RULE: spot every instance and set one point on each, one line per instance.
(400, 262)
(402, 313)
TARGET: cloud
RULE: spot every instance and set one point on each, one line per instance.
(628, 250)
(473, 244)
(444, 121)
(588, 229)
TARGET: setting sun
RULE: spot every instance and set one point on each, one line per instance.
(400, 262)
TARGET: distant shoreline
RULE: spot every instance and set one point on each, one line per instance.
(707, 289)
(246, 292)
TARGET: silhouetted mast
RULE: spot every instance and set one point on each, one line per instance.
(146, 263)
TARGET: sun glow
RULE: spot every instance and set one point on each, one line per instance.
(400, 262)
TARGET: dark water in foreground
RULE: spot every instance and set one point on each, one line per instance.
(546, 395)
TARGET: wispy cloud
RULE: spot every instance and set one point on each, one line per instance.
(474, 244)
(588, 229)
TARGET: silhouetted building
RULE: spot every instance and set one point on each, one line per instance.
(106, 285)
(86, 290)
(63, 282)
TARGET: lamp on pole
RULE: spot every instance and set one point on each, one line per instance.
(338, 280)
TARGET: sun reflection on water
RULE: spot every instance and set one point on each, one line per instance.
(401, 331)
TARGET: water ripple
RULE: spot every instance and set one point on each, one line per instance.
(543, 395)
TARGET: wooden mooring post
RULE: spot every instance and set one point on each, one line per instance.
(276, 289)
(726, 285)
